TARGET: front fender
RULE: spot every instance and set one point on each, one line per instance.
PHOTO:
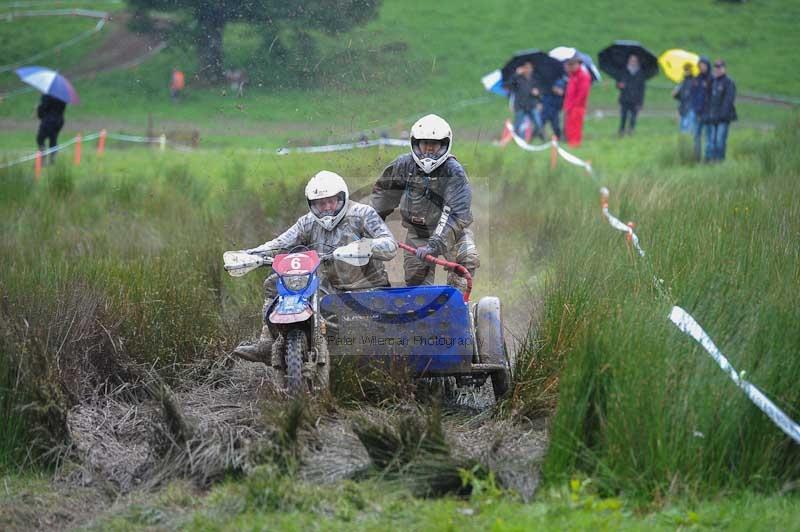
(291, 309)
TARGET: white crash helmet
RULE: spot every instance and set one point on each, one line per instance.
(324, 185)
(431, 127)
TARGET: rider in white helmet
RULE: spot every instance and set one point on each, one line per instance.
(333, 221)
(432, 191)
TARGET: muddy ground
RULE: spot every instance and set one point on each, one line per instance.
(220, 416)
(126, 443)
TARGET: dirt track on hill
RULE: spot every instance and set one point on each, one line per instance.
(121, 48)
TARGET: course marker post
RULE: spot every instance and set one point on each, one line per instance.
(553, 152)
(505, 136)
(629, 234)
(162, 142)
(78, 141)
(101, 142)
(629, 240)
(37, 165)
(603, 201)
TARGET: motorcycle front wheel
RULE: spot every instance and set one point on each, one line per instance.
(296, 347)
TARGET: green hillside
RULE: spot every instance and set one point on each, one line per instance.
(417, 58)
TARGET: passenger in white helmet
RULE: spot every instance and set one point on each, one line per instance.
(432, 191)
(333, 221)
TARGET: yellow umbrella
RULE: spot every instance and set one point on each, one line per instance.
(672, 62)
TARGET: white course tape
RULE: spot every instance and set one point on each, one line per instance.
(343, 147)
(687, 324)
(572, 159)
(133, 138)
(52, 3)
(102, 15)
(682, 319)
(567, 156)
(76, 12)
(619, 226)
(519, 141)
(48, 151)
(75, 40)
(95, 136)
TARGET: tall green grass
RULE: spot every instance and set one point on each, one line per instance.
(117, 263)
(641, 406)
(103, 271)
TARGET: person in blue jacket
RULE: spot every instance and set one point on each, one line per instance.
(683, 93)
(700, 95)
(552, 102)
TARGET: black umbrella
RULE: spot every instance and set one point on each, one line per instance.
(614, 59)
(545, 68)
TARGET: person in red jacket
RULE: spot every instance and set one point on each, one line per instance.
(575, 100)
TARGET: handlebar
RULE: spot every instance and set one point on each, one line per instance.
(452, 266)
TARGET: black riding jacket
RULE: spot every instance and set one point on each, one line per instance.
(437, 206)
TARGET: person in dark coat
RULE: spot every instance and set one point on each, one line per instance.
(701, 94)
(524, 87)
(631, 95)
(683, 93)
(51, 119)
(721, 110)
(552, 102)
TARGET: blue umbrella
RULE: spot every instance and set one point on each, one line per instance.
(49, 82)
(493, 82)
(565, 53)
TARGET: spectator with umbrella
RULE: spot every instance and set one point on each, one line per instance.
(57, 92)
(527, 75)
(630, 64)
(50, 113)
(525, 90)
(631, 95)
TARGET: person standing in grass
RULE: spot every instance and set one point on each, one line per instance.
(525, 90)
(721, 110)
(631, 95)
(578, 85)
(683, 93)
(552, 102)
(701, 94)
(50, 112)
(177, 83)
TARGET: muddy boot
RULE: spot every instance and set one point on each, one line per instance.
(260, 351)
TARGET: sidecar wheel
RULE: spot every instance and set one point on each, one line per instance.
(489, 331)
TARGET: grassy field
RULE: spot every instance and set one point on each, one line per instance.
(266, 500)
(116, 264)
(135, 254)
(380, 77)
